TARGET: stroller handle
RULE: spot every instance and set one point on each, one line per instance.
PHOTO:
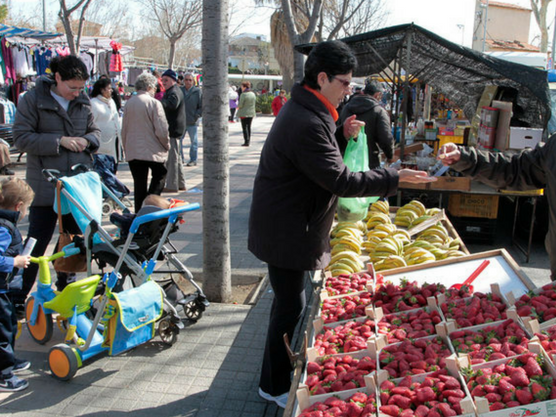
(172, 215)
(51, 175)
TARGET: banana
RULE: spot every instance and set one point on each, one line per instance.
(453, 254)
(420, 220)
(340, 271)
(381, 234)
(356, 233)
(377, 218)
(421, 209)
(421, 244)
(415, 253)
(344, 254)
(339, 248)
(368, 247)
(380, 206)
(433, 211)
(403, 221)
(389, 228)
(353, 243)
(342, 265)
(422, 260)
(405, 233)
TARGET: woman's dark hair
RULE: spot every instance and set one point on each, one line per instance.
(69, 67)
(100, 85)
(331, 57)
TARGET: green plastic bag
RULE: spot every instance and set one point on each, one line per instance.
(356, 159)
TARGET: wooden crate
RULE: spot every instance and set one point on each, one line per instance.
(473, 205)
(443, 183)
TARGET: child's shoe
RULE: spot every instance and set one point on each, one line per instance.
(11, 383)
(20, 365)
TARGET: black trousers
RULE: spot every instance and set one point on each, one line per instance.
(8, 330)
(287, 308)
(140, 172)
(42, 221)
(246, 127)
(232, 113)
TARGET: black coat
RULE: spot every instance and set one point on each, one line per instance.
(377, 126)
(300, 175)
(174, 108)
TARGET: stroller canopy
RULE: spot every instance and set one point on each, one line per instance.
(86, 190)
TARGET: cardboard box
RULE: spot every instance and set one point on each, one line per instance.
(443, 183)
(524, 137)
(503, 128)
(473, 205)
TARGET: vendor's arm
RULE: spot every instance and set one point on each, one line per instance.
(524, 171)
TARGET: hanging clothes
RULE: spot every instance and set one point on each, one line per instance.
(116, 61)
(88, 61)
(43, 56)
(21, 63)
(63, 51)
(8, 61)
(8, 110)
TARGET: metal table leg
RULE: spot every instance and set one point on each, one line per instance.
(526, 252)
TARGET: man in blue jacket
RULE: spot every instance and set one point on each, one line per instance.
(193, 110)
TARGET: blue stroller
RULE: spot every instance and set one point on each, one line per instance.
(105, 167)
(134, 258)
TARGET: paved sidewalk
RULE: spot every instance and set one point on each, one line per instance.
(213, 368)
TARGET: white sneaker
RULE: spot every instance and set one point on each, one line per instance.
(280, 400)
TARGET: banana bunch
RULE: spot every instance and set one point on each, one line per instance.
(377, 218)
(387, 247)
(380, 206)
(453, 253)
(375, 235)
(437, 235)
(355, 229)
(345, 262)
(402, 235)
(417, 255)
(391, 262)
(408, 213)
(432, 211)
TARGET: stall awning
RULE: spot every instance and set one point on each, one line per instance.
(13, 31)
(458, 72)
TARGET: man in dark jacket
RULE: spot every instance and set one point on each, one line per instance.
(174, 108)
(300, 176)
(193, 109)
(54, 126)
(366, 106)
(529, 170)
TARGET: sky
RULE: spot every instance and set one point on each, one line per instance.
(439, 16)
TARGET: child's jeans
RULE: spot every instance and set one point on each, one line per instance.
(8, 331)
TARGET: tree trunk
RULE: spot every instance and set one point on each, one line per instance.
(298, 64)
(172, 53)
(216, 228)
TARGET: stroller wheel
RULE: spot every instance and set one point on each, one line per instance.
(63, 362)
(106, 208)
(193, 310)
(41, 331)
(168, 331)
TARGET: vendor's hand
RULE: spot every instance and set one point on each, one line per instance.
(21, 261)
(449, 154)
(73, 143)
(415, 177)
(352, 126)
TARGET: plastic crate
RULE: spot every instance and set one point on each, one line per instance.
(475, 229)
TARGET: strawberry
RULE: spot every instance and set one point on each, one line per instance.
(519, 378)
(425, 394)
(497, 406)
(391, 410)
(539, 392)
(524, 396)
(313, 367)
(353, 410)
(407, 413)
(402, 402)
(445, 410)
(532, 367)
(421, 411)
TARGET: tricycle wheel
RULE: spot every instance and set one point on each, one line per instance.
(168, 331)
(41, 331)
(63, 362)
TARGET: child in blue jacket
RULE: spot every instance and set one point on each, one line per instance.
(15, 198)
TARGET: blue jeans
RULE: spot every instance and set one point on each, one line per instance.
(192, 132)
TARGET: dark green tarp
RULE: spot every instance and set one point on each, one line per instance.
(456, 71)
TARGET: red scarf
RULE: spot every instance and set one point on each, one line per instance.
(328, 104)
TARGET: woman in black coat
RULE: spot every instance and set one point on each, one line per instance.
(300, 176)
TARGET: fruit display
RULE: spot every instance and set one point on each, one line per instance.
(490, 343)
(547, 339)
(513, 383)
(345, 308)
(539, 304)
(414, 356)
(333, 374)
(478, 309)
(346, 284)
(345, 338)
(409, 213)
(359, 404)
(438, 395)
(398, 327)
(406, 296)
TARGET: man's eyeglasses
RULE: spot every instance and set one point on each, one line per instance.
(345, 83)
(74, 89)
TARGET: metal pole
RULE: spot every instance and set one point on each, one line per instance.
(44, 15)
(485, 25)
(554, 44)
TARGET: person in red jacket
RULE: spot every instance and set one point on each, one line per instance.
(278, 102)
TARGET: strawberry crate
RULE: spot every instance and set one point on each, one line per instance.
(345, 307)
(341, 337)
(359, 403)
(407, 295)
(489, 341)
(424, 355)
(337, 373)
(538, 304)
(335, 287)
(478, 309)
(417, 393)
(520, 386)
(419, 322)
(545, 335)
